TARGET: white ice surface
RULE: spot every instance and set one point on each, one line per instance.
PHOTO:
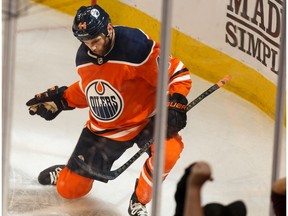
(234, 136)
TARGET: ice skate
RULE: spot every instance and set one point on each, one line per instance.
(50, 175)
(136, 208)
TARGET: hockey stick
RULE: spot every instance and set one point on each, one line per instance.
(110, 175)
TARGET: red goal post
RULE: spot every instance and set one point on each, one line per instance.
(93, 2)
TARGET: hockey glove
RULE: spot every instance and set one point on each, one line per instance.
(49, 103)
(177, 118)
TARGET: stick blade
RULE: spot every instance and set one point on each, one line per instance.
(223, 81)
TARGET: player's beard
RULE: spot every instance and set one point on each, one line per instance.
(105, 48)
(107, 45)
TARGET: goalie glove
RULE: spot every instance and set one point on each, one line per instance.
(49, 104)
(177, 118)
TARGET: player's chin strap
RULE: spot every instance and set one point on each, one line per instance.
(105, 176)
(109, 46)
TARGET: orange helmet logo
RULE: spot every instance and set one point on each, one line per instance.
(82, 26)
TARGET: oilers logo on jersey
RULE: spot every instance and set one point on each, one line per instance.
(105, 102)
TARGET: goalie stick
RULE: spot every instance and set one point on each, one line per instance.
(110, 175)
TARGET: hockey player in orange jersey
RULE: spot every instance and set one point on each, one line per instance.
(117, 68)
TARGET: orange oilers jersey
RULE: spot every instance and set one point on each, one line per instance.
(120, 88)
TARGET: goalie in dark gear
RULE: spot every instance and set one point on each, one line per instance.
(118, 70)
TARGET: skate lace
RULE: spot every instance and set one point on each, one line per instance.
(54, 175)
(138, 208)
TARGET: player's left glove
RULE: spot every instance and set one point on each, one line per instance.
(177, 118)
(49, 104)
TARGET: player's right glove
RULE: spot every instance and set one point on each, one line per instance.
(49, 104)
(177, 118)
